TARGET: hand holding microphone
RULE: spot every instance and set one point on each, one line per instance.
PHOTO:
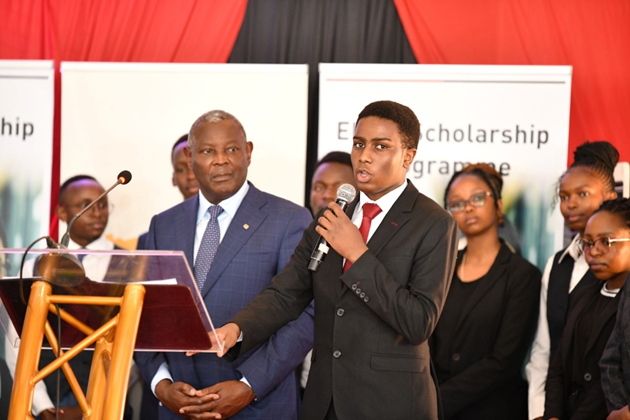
(336, 230)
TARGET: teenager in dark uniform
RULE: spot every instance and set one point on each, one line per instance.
(583, 188)
(573, 389)
(489, 318)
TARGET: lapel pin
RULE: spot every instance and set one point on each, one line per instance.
(395, 224)
(245, 226)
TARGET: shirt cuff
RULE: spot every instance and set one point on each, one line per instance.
(162, 373)
(245, 381)
(240, 338)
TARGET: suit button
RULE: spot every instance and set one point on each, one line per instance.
(336, 354)
(354, 287)
(365, 299)
(587, 377)
(456, 357)
(340, 312)
(358, 291)
(362, 295)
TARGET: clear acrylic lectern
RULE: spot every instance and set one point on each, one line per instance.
(113, 302)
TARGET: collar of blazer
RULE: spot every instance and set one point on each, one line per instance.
(393, 221)
(493, 276)
(580, 301)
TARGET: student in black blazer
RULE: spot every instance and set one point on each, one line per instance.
(581, 190)
(489, 318)
(573, 389)
(373, 318)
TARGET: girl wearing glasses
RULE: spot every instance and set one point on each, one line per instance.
(573, 388)
(581, 190)
(615, 362)
(489, 316)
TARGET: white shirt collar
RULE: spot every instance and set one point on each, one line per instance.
(385, 202)
(100, 244)
(572, 250)
(229, 205)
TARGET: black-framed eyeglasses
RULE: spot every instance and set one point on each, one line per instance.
(102, 206)
(603, 245)
(476, 200)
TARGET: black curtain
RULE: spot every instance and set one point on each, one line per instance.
(320, 31)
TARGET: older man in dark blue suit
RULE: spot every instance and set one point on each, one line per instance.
(237, 238)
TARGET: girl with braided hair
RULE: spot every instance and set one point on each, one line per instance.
(573, 389)
(581, 190)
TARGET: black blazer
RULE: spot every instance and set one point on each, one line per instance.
(495, 329)
(372, 323)
(589, 397)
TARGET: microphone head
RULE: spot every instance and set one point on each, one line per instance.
(124, 177)
(346, 192)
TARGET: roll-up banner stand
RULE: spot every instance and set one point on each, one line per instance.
(128, 116)
(513, 117)
(26, 136)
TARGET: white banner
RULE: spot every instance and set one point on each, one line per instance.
(128, 116)
(26, 136)
(514, 117)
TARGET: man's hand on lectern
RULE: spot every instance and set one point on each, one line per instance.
(228, 334)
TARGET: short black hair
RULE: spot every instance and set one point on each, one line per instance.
(71, 181)
(403, 116)
(182, 139)
(618, 206)
(335, 157)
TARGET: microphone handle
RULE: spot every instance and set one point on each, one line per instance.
(65, 240)
(322, 248)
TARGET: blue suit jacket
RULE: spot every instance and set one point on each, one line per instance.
(246, 261)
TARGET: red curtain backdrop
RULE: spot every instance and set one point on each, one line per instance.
(592, 36)
(191, 31)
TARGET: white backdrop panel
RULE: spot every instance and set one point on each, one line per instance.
(128, 116)
(26, 135)
(516, 117)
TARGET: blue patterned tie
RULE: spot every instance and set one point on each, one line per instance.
(208, 247)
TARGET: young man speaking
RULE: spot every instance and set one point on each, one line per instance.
(378, 299)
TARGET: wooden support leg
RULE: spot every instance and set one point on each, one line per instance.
(122, 351)
(30, 351)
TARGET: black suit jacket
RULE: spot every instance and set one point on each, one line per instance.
(487, 349)
(560, 390)
(372, 323)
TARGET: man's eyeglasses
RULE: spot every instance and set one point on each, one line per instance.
(477, 200)
(102, 206)
(603, 245)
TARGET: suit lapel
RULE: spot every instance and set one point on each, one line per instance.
(394, 220)
(185, 225)
(494, 275)
(237, 235)
(601, 319)
(574, 312)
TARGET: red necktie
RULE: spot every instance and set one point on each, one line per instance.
(370, 211)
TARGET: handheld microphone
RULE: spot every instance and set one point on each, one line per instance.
(345, 194)
(123, 178)
(66, 269)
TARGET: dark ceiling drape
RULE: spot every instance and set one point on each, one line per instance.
(592, 36)
(327, 31)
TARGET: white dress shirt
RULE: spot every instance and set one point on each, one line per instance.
(230, 207)
(538, 365)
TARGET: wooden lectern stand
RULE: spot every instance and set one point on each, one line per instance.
(138, 305)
